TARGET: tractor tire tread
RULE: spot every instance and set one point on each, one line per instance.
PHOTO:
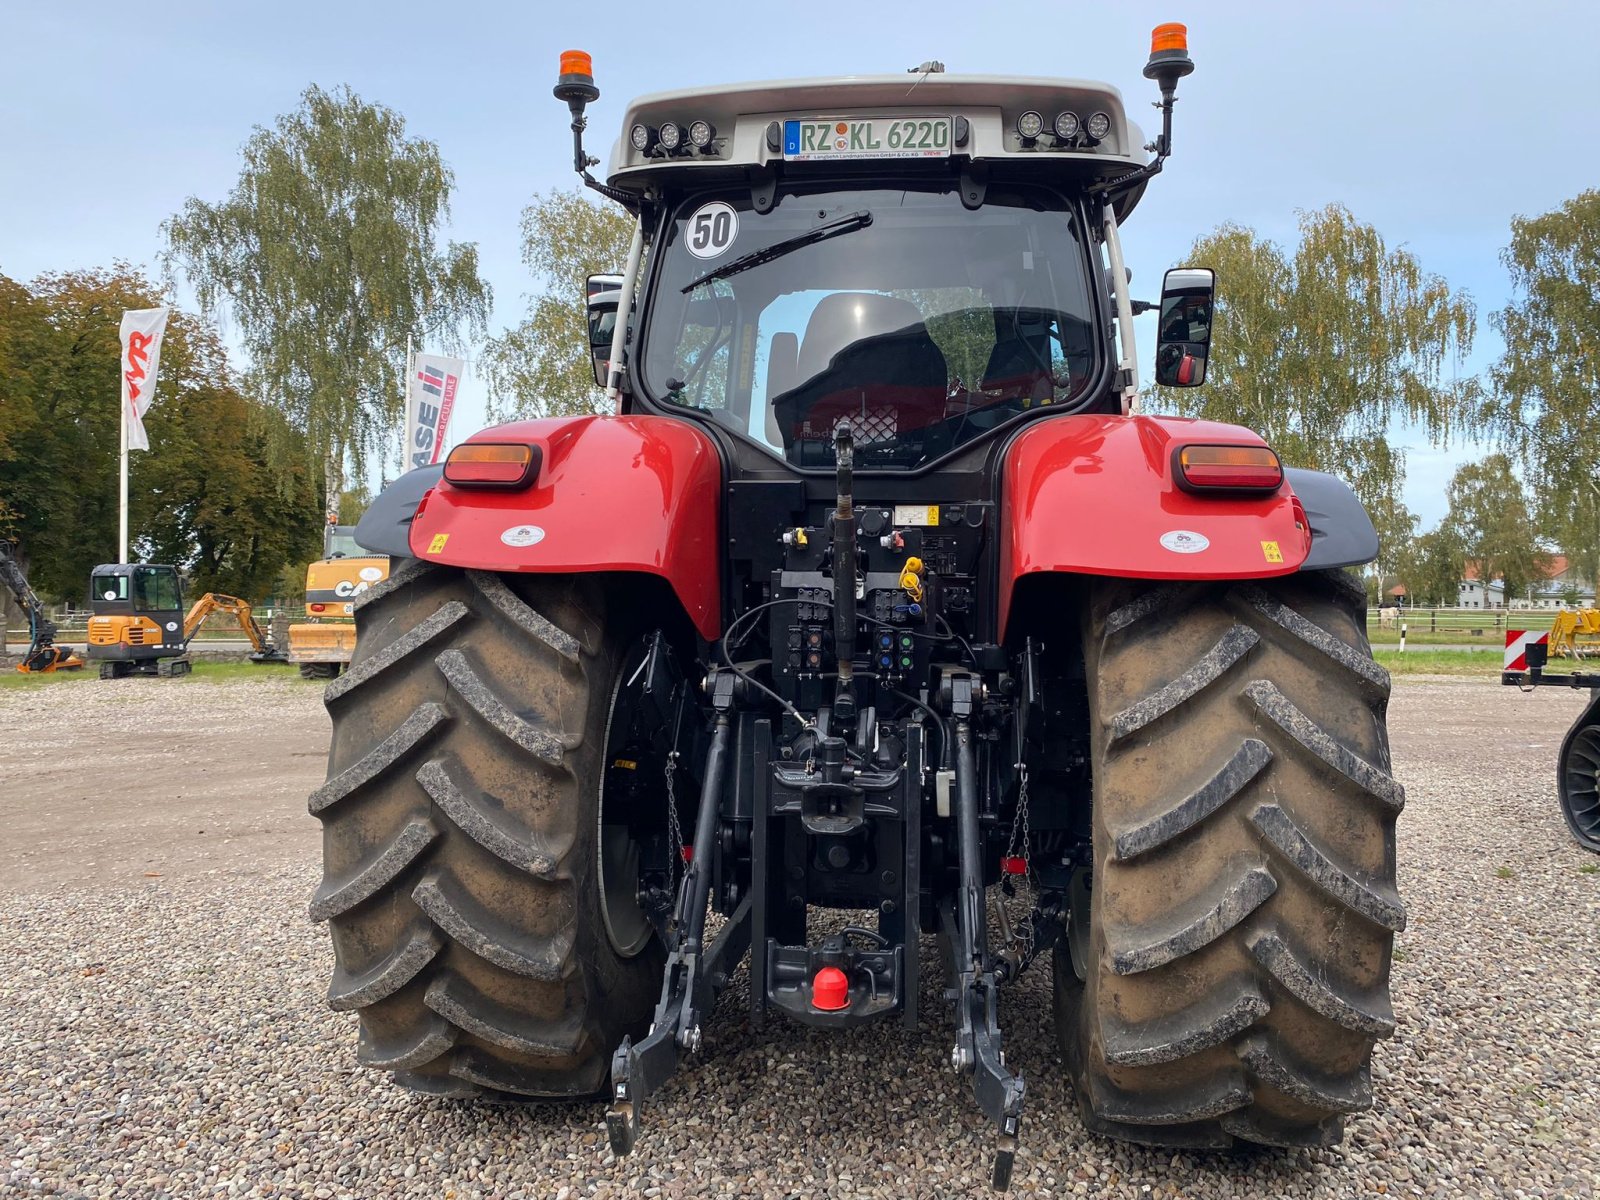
(1244, 903)
(459, 832)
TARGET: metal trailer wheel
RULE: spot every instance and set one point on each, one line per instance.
(1578, 778)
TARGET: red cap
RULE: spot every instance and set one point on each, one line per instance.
(1014, 864)
(830, 990)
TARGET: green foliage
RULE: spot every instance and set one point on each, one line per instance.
(1431, 567)
(204, 497)
(1490, 525)
(541, 367)
(352, 503)
(1321, 350)
(1546, 405)
(326, 256)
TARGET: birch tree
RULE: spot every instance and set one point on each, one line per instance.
(1322, 349)
(541, 366)
(1546, 404)
(327, 257)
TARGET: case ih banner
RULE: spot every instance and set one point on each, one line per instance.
(430, 397)
(142, 330)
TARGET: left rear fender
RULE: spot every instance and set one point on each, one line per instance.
(624, 493)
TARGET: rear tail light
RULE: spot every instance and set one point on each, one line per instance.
(1227, 469)
(492, 465)
(316, 608)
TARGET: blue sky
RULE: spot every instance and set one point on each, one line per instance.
(1437, 122)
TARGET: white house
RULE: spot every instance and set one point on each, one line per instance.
(1474, 594)
(1563, 586)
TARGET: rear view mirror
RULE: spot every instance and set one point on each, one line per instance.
(1184, 339)
(603, 293)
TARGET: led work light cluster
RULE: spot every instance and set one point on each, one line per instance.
(671, 138)
(1068, 129)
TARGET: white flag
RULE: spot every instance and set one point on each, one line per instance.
(142, 330)
(430, 395)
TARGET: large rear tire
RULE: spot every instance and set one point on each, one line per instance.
(1233, 972)
(459, 837)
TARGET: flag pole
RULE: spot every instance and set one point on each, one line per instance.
(122, 520)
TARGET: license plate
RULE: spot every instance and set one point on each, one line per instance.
(811, 138)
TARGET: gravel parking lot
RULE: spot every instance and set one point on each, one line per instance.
(162, 1030)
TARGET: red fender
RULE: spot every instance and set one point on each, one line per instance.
(626, 493)
(1095, 495)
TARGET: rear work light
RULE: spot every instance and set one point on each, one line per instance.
(492, 465)
(1227, 469)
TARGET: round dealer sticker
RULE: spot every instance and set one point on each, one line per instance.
(523, 535)
(371, 574)
(1185, 541)
(711, 230)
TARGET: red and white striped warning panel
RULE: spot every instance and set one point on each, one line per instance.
(1517, 643)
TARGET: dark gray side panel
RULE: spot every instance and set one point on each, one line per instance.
(385, 527)
(1341, 532)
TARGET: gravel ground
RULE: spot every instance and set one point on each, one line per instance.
(164, 1034)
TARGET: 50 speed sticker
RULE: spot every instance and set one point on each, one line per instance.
(711, 230)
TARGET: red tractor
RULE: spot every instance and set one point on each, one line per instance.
(877, 609)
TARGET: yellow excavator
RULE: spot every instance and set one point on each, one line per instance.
(43, 654)
(1575, 633)
(323, 644)
(138, 626)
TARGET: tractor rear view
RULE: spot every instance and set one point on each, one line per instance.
(876, 601)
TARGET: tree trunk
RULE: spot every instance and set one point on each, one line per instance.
(333, 482)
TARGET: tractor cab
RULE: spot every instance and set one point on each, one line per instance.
(136, 618)
(924, 258)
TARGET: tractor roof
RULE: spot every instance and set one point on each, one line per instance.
(748, 120)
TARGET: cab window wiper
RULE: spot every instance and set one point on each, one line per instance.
(849, 224)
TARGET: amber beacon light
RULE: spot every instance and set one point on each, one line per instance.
(576, 83)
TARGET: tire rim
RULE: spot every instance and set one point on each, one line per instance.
(617, 860)
(1580, 786)
(1078, 927)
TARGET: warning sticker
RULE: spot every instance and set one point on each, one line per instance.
(1270, 552)
(437, 545)
(916, 514)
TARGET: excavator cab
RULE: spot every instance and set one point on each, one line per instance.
(137, 623)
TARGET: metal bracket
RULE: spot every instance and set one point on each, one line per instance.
(689, 990)
(692, 979)
(978, 1046)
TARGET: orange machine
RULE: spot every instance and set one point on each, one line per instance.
(323, 644)
(139, 626)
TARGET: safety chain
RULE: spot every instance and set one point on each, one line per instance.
(674, 832)
(1022, 831)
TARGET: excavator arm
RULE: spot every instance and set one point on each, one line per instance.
(43, 654)
(218, 602)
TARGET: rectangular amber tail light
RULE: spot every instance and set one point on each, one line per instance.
(509, 465)
(1227, 469)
